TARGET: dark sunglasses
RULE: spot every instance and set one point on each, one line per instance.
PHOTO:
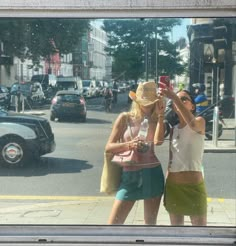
(184, 99)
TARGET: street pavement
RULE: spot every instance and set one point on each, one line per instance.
(223, 145)
(95, 209)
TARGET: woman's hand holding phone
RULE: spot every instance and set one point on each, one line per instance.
(165, 90)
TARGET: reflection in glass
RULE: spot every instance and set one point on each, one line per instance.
(62, 186)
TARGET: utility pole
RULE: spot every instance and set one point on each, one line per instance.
(1, 52)
(156, 63)
(146, 60)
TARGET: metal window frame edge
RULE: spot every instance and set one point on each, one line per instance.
(115, 235)
(115, 9)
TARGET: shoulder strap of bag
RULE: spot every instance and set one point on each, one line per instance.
(129, 127)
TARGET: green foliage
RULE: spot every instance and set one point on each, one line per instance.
(31, 38)
(127, 40)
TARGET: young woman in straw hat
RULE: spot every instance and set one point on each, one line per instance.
(144, 181)
(185, 192)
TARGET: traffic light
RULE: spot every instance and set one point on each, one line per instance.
(220, 32)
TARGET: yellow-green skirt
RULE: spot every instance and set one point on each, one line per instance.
(185, 199)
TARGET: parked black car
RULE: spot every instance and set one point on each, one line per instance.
(32, 92)
(23, 138)
(5, 97)
(70, 104)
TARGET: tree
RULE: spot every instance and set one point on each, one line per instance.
(133, 44)
(37, 38)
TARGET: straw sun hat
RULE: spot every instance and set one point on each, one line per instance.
(146, 94)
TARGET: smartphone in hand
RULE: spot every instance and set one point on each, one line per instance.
(164, 81)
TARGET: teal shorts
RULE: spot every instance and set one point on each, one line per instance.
(141, 184)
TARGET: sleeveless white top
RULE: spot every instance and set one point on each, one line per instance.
(187, 148)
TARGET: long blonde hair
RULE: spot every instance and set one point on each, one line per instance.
(136, 112)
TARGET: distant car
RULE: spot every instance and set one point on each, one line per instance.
(89, 88)
(5, 97)
(69, 104)
(24, 137)
(123, 87)
(98, 89)
(69, 83)
(32, 91)
(45, 80)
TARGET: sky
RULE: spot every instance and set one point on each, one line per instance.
(181, 31)
(178, 31)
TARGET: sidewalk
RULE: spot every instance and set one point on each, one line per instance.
(223, 145)
(95, 210)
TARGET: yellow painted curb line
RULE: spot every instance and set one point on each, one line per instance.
(63, 198)
(209, 199)
(77, 198)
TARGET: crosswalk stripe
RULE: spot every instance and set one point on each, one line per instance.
(64, 198)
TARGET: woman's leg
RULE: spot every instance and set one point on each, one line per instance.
(198, 220)
(151, 208)
(119, 212)
(176, 219)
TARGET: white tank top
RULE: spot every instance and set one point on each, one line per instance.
(187, 148)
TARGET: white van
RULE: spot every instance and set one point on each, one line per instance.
(69, 83)
(45, 80)
(89, 88)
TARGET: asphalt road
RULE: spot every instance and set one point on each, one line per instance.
(74, 168)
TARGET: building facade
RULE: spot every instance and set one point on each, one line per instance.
(213, 56)
(98, 59)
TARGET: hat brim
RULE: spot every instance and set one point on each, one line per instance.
(143, 102)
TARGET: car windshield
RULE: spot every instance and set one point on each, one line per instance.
(175, 164)
(68, 98)
(3, 89)
(23, 87)
(86, 83)
(65, 84)
(40, 78)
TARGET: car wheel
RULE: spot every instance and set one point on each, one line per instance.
(13, 152)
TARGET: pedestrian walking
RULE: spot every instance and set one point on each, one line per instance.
(18, 100)
(115, 92)
(108, 96)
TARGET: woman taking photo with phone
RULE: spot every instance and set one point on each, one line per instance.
(185, 192)
(144, 180)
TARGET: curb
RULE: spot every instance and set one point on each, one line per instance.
(34, 113)
(220, 150)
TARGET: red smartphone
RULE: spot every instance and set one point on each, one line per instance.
(164, 80)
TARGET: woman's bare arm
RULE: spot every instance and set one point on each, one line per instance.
(113, 144)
